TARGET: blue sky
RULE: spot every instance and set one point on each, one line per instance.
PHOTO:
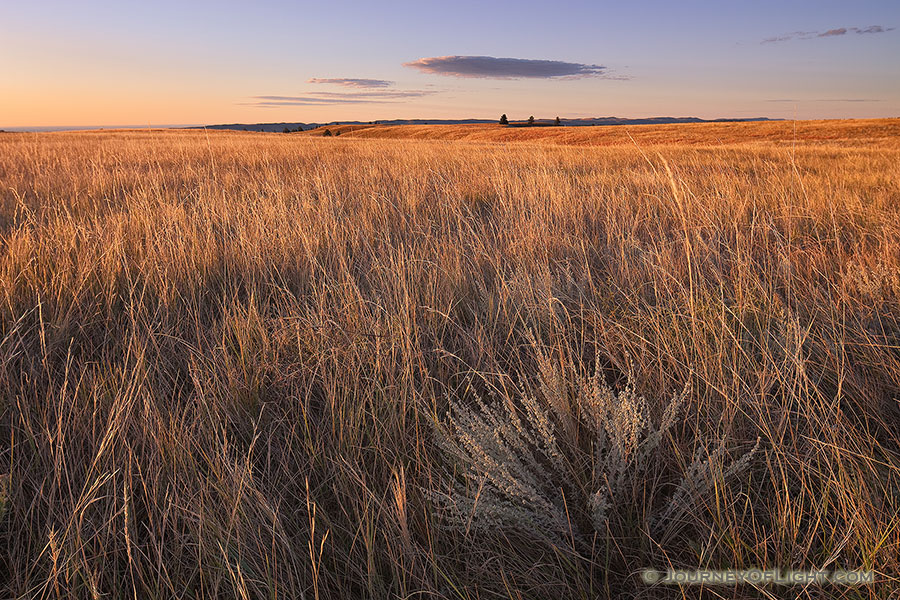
(99, 62)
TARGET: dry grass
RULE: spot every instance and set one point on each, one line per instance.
(871, 133)
(267, 365)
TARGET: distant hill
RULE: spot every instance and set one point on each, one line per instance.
(581, 122)
(278, 127)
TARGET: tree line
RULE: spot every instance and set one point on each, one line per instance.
(505, 121)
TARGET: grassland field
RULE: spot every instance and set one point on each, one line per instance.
(449, 361)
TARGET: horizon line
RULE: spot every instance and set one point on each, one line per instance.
(63, 128)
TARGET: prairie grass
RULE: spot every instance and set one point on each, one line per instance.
(873, 133)
(278, 366)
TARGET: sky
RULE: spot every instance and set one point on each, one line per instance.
(121, 62)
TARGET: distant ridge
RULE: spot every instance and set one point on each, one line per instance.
(581, 122)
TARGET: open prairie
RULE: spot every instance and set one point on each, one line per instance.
(285, 366)
(880, 133)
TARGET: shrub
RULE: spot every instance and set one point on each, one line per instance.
(503, 119)
(523, 467)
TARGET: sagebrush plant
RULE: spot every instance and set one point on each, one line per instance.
(521, 461)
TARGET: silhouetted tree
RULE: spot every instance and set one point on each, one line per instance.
(531, 120)
(503, 119)
(285, 130)
(557, 122)
(327, 133)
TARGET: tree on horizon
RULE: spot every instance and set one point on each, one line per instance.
(531, 120)
(503, 119)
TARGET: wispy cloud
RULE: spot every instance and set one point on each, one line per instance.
(825, 100)
(326, 98)
(385, 95)
(504, 68)
(803, 35)
(808, 35)
(352, 83)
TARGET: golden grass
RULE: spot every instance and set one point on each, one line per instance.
(878, 133)
(228, 358)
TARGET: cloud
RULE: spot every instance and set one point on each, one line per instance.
(839, 31)
(326, 98)
(504, 68)
(390, 94)
(789, 36)
(826, 100)
(874, 29)
(352, 83)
